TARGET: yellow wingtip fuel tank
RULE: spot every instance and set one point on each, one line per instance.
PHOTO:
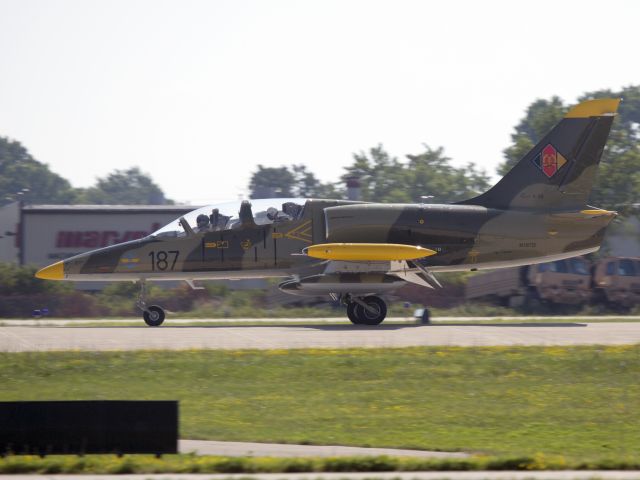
(367, 251)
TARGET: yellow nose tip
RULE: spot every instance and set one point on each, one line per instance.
(52, 272)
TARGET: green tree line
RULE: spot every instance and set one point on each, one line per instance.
(383, 177)
(24, 177)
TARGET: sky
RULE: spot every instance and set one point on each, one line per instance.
(198, 93)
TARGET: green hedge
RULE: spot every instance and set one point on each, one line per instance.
(110, 464)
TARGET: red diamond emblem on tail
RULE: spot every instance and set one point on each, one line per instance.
(549, 160)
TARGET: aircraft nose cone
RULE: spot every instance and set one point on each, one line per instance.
(52, 272)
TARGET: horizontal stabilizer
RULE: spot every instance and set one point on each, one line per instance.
(367, 252)
(586, 214)
(596, 212)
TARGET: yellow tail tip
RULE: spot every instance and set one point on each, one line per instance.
(52, 272)
(594, 108)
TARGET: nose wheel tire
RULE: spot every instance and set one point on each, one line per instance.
(153, 316)
(374, 314)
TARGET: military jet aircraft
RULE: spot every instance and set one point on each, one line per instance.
(355, 251)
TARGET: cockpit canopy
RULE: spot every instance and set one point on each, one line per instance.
(227, 216)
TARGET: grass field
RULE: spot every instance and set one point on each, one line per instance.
(579, 402)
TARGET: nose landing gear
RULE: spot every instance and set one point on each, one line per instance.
(369, 310)
(153, 315)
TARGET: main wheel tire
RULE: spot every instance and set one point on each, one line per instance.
(353, 314)
(376, 317)
(153, 316)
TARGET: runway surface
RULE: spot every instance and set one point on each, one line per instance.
(92, 338)
(248, 449)
(44, 322)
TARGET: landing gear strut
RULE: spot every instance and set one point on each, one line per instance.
(153, 315)
(370, 310)
(425, 317)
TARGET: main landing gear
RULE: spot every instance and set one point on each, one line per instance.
(369, 310)
(153, 314)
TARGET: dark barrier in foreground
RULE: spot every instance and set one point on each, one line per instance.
(89, 427)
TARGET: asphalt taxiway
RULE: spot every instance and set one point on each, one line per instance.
(228, 337)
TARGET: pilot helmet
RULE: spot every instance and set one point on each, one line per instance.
(272, 213)
(202, 220)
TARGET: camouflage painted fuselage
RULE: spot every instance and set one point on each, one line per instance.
(464, 236)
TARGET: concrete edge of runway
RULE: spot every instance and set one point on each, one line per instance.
(287, 450)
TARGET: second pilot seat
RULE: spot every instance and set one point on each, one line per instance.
(246, 215)
(217, 220)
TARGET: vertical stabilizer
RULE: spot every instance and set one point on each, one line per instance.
(558, 173)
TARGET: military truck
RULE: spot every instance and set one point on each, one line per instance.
(565, 282)
(616, 281)
(613, 282)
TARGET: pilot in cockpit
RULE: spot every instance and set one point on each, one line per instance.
(272, 214)
(217, 220)
(276, 216)
(203, 223)
(291, 210)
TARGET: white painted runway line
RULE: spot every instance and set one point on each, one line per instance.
(91, 338)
